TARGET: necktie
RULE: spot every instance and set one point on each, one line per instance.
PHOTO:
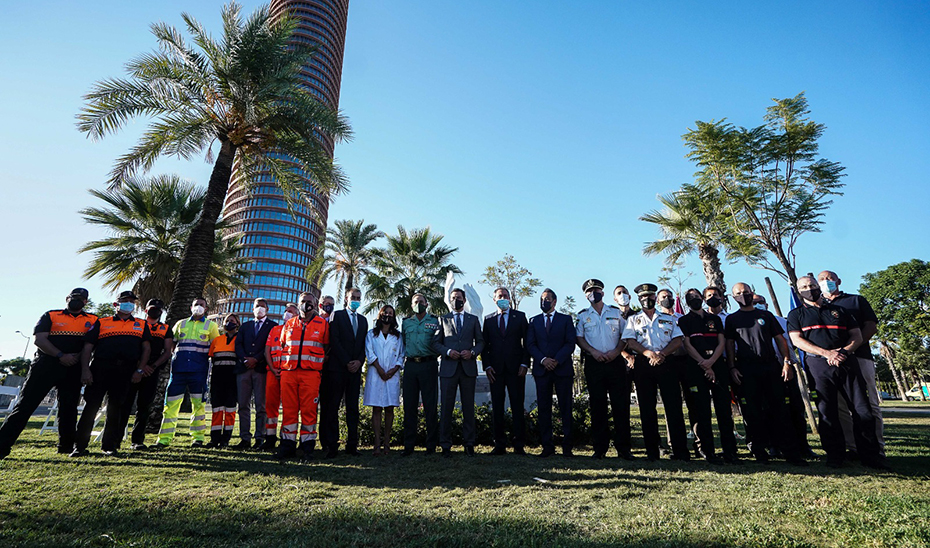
(458, 323)
(354, 323)
(503, 326)
(548, 322)
(258, 326)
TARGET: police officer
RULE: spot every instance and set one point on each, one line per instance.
(830, 335)
(142, 393)
(655, 336)
(421, 375)
(598, 334)
(120, 346)
(59, 338)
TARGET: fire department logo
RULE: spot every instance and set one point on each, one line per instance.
(86, 324)
(761, 321)
(710, 325)
(835, 314)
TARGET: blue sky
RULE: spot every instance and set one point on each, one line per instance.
(540, 129)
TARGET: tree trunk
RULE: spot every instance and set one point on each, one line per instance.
(786, 264)
(713, 274)
(350, 283)
(196, 258)
(888, 354)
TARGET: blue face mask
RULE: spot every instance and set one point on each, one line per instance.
(828, 286)
(503, 304)
(759, 306)
(354, 305)
(127, 307)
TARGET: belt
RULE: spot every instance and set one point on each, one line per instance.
(421, 359)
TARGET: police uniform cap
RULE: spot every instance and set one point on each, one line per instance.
(157, 303)
(79, 292)
(645, 289)
(593, 283)
(127, 295)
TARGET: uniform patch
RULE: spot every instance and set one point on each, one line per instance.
(761, 321)
(835, 314)
(710, 325)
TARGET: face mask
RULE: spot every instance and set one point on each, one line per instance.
(595, 297)
(666, 302)
(154, 313)
(260, 312)
(759, 306)
(287, 315)
(648, 302)
(812, 295)
(623, 299)
(328, 308)
(127, 307)
(198, 310)
(545, 306)
(354, 305)
(387, 320)
(713, 302)
(694, 303)
(828, 286)
(420, 308)
(503, 304)
(231, 326)
(306, 306)
(458, 304)
(743, 300)
(75, 305)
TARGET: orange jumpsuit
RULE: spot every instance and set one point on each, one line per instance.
(303, 347)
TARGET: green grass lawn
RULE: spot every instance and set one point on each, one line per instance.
(203, 498)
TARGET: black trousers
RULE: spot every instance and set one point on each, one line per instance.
(696, 389)
(723, 407)
(650, 380)
(334, 386)
(762, 398)
(608, 380)
(797, 415)
(45, 374)
(844, 381)
(142, 394)
(545, 384)
(111, 380)
(508, 380)
(224, 394)
(421, 379)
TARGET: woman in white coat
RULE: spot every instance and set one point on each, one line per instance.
(384, 350)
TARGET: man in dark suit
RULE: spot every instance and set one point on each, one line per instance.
(506, 361)
(251, 373)
(459, 343)
(342, 374)
(550, 340)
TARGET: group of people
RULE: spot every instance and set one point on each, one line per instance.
(308, 365)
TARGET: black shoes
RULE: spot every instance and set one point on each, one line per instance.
(243, 445)
(499, 450)
(353, 453)
(78, 453)
(567, 453)
(259, 443)
(331, 454)
(430, 450)
(446, 453)
(139, 447)
(406, 452)
(196, 444)
(519, 451)
(598, 455)
(469, 451)
(548, 452)
(268, 444)
(730, 458)
(625, 455)
(110, 453)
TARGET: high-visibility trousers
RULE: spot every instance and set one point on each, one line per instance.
(224, 399)
(196, 383)
(300, 394)
(272, 403)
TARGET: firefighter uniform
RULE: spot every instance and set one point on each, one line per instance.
(119, 344)
(142, 393)
(189, 367)
(66, 330)
(302, 344)
(224, 397)
(273, 386)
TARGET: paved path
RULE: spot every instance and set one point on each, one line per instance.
(907, 410)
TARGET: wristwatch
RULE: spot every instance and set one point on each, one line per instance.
(59, 355)
(139, 371)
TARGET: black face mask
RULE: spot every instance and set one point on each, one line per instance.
(387, 320)
(458, 304)
(597, 297)
(328, 308)
(306, 307)
(648, 303)
(744, 300)
(545, 306)
(694, 303)
(154, 313)
(75, 305)
(231, 327)
(419, 308)
(714, 302)
(666, 302)
(812, 295)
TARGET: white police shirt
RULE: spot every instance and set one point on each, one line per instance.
(654, 334)
(602, 331)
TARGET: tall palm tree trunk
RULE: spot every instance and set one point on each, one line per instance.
(713, 273)
(195, 262)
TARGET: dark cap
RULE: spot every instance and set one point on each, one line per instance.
(128, 295)
(593, 283)
(79, 292)
(157, 303)
(645, 289)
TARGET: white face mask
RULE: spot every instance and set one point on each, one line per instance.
(260, 312)
(623, 299)
(287, 315)
(198, 310)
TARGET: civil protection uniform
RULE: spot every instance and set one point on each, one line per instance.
(189, 367)
(827, 326)
(303, 344)
(66, 332)
(273, 384)
(420, 379)
(142, 393)
(605, 379)
(118, 347)
(655, 334)
(223, 388)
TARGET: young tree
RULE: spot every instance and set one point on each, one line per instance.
(244, 92)
(347, 255)
(568, 306)
(517, 279)
(774, 186)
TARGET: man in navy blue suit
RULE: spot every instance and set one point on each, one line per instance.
(506, 361)
(550, 340)
(251, 372)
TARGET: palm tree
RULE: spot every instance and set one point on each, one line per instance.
(149, 221)
(411, 262)
(244, 92)
(346, 256)
(693, 221)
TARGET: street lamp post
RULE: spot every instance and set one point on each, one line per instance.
(26, 349)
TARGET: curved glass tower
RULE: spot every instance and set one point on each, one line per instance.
(279, 244)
